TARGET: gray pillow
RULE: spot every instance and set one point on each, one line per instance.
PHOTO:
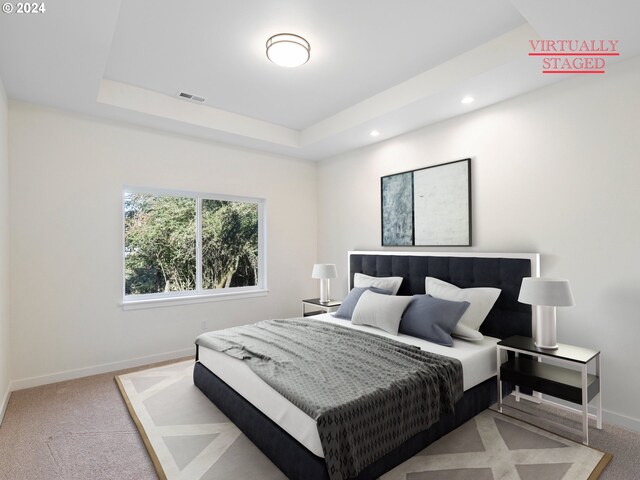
(349, 303)
(392, 284)
(432, 319)
(380, 311)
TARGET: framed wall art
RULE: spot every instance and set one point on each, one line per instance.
(428, 207)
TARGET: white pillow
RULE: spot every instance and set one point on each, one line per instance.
(481, 300)
(391, 284)
(466, 333)
(380, 311)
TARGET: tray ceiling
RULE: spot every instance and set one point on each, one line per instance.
(390, 66)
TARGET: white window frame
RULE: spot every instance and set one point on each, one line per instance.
(198, 295)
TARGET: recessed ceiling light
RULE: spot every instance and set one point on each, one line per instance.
(288, 50)
(467, 99)
(374, 133)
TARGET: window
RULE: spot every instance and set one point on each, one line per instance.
(179, 245)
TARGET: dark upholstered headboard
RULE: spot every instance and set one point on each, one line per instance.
(505, 271)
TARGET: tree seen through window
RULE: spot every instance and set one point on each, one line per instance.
(161, 244)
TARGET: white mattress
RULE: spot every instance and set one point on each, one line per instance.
(478, 364)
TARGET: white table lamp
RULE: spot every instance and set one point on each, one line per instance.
(324, 271)
(546, 294)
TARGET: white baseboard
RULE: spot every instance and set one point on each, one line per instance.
(620, 420)
(608, 416)
(5, 402)
(612, 418)
(97, 369)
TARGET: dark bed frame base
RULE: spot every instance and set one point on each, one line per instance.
(295, 461)
(507, 317)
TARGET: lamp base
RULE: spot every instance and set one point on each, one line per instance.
(324, 290)
(546, 328)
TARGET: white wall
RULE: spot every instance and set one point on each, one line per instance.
(556, 171)
(4, 254)
(67, 175)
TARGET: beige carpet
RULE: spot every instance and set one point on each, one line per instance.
(189, 438)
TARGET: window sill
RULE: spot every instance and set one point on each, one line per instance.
(189, 299)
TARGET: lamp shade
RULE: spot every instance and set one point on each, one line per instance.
(553, 292)
(324, 270)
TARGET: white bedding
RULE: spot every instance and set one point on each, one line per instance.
(478, 364)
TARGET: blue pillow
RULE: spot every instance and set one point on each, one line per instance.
(432, 319)
(349, 303)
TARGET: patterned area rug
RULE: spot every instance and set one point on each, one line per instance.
(492, 446)
(188, 438)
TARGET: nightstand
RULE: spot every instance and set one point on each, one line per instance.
(543, 374)
(319, 307)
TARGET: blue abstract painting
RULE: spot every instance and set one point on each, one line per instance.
(397, 209)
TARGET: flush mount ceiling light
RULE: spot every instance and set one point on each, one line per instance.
(374, 133)
(288, 50)
(467, 99)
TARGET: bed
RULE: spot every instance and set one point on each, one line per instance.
(287, 435)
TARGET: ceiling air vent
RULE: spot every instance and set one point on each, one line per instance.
(193, 98)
